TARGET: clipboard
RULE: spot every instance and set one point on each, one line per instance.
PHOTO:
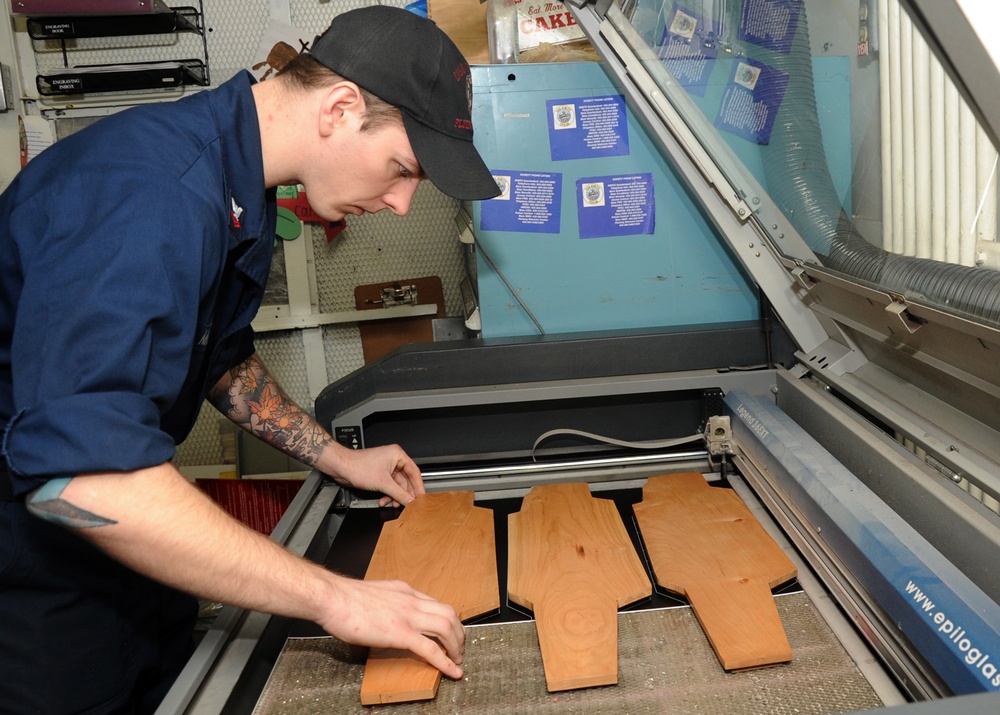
(383, 336)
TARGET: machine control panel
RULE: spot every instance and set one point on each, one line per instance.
(349, 436)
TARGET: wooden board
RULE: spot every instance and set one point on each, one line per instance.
(380, 337)
(444, 546)
(705, 544)
(572, 563)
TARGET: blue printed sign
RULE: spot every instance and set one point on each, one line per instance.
(688, 47)
(751, 100)
(529, 202)
(770, 23)
(587, 127)
(615, 205)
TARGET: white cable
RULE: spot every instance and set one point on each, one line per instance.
(645, 444)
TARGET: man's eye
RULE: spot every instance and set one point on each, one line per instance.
(404, 172)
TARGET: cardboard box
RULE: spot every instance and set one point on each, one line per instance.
(464, 21)
(543, 25)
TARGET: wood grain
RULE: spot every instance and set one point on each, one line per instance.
(571, 562)
(444, 546)
(705, 544)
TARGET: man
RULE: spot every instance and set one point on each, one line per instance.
(132, 260)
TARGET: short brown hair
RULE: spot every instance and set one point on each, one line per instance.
(305, 72)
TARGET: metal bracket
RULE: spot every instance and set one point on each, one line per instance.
(719, 436)
(897, 309)
(397, 295)
(803, 278)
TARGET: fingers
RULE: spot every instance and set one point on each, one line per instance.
(396, 491)
(434, 619)
(433, 653)
(448, 629)
(405, 482)
(439, 635)
(409, 473)
(391, 614)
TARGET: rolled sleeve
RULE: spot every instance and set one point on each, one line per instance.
(58, 438)
(105, 327)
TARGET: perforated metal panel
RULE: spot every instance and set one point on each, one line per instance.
(342, 346)
(204, 444)
(233, 31)
(316, 16)
(384, 247)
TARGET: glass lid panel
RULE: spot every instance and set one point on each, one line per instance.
(836, 114)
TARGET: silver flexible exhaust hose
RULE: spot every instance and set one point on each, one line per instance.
(798, 179)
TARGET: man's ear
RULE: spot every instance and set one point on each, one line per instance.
(342, 104)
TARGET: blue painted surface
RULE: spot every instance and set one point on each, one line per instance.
(682, 274)
(954, 625)
(679, 275)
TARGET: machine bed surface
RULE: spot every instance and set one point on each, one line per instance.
(666, 663)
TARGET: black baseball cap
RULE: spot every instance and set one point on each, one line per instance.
(407, 61)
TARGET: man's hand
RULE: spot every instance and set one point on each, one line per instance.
(388, 470)
(390, 614)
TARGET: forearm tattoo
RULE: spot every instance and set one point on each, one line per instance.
(47, 503)
(253, 400)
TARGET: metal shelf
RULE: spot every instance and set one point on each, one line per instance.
(165, 20)
(123, 78)
(85, 7)
(91, 21)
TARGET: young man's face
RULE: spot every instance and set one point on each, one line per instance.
(365, 172)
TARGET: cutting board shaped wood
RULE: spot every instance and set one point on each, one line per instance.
(571, 562)
(705, 544)
(443, 545)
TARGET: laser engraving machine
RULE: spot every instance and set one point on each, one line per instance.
(756, 241)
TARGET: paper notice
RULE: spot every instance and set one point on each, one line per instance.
(36, 134)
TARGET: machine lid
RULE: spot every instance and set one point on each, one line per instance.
(846, 152)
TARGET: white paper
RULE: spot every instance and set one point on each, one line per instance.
(37, 134)
(280, 43)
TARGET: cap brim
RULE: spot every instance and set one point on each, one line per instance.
(452, 165)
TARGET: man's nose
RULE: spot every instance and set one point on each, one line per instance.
(401, 197)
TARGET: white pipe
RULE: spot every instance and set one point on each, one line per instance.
(967, 181)
(895, 242)
(953, 218)
(986, 188)
(941, 183)
(885, 114)
(921, 150)
(909, 242)
(939, 160)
